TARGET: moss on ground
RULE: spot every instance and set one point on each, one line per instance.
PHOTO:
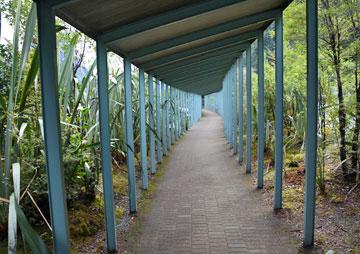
(293, 196)
(86, 219)
(120, 182)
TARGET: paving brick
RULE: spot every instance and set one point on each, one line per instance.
(206, 204)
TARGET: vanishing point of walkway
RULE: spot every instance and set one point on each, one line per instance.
(207, 204)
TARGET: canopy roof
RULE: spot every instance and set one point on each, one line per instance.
(188, 44)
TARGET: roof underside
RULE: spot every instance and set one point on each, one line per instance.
(188, 44)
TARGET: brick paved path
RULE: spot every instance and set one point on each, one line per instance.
(206, 204)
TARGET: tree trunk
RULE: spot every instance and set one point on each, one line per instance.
(333, 40)
(342, 121)
(355, 138)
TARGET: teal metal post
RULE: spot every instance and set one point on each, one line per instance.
(163, 106)
(181, 109)
(278, 110)
(151, 125)
(311, 123)
(52, 130)
(183, 115)
(229, 109)
(143, 148)
(129, 136)
(192, 109)
(179, 114)
(226, 109)
(158, 121)
(106, 160)
(173, 117)
(261, 119)
(175, 104)
(178, 119)
(234, 107)
(189, 109)
(248, 111)
(241, 109)
(168, 134)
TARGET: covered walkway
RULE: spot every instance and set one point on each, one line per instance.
(207, 204)
(183, 50)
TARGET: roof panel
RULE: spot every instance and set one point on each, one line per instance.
(97, 16)
(191, 34)
(197, 43)
(196, 23)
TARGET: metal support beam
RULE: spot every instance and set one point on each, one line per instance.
(143, 148)
(52, 130)
(311, 123)
(235, 41)
(201, 34)
(234, 107)
(164, 18)
(151, 125)
(55, 4)
(248, 111)
(278, 110)
(167, 105)
(190, 78)
(261, 119)
(241, 108)
(172, 116)
(106, 159)
(164, 116)
(204, 60)
(183, 112)
(195, 86)
(129, 136)
(179, 114)
(176, 105)
(230, 94)
(196, 70)
(158, 121)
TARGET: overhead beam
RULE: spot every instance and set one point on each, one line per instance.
(184, 83)
(209, 58)
(55, 4)
(196, 70)
(217, 45)
(188, 86)
(200, 75)
(201, 34)
(196, 67)
(199, 80)
(164, 18)
(210, 87)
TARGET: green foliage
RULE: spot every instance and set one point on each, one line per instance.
(5, 72)
(21, 139)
